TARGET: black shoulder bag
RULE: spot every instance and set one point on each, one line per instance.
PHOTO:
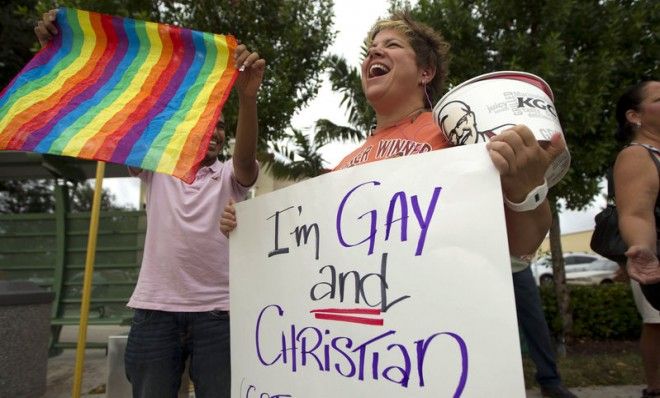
(606, 239)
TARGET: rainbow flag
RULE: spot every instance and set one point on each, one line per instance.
(116, 89)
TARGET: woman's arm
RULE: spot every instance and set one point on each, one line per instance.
(636, 187)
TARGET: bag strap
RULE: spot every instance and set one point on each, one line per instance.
(610, 185)
(652, 152)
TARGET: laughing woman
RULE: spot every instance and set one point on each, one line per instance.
(404, 70)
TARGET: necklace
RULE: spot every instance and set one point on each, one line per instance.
(415, 113)
(410, 116)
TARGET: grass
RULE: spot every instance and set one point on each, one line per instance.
(589, 363)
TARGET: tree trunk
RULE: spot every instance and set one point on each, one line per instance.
(559, 276)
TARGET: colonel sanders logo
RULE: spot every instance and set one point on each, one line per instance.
(459, 124)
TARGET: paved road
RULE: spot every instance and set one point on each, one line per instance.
(61, 371)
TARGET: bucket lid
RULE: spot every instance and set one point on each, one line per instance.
(508, 74)
(559, 167)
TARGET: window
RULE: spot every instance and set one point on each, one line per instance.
(581, 260)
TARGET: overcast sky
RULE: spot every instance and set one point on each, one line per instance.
(352, 21)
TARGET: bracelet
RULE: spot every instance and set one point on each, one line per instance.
(533, 200)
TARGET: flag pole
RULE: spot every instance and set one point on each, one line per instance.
(87, 280)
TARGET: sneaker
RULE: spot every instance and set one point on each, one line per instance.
(558, 391)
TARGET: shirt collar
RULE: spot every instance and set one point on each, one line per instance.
(213, 168)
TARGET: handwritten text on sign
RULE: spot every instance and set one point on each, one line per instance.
(391, 279)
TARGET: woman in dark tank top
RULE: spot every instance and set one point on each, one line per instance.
(636, 183)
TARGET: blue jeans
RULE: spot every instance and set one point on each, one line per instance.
(160, 342)
(534, 327)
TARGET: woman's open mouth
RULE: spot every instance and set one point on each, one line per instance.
(377, 70)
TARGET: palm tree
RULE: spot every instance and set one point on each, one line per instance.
(299, 156)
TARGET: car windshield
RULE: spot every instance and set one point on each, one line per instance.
(544, 262)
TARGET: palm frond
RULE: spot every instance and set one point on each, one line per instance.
(346, 80)
(296, 158)
(326, 131)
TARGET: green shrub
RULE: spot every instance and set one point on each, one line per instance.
(599, 312)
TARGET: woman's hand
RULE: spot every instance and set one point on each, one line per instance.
(642, 265)
(228, 218)
(521, 161)
(46, 29)
(522, 164)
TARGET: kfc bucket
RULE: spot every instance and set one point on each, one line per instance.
(488, 104)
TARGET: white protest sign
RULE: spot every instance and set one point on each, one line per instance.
(390, 279)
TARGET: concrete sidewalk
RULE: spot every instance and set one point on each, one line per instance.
(62, 367)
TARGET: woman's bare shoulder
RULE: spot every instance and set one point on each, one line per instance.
(635, 154)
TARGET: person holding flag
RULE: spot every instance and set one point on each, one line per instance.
(181, 299)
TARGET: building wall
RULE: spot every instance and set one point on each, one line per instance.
(573, 242)
(267, 183)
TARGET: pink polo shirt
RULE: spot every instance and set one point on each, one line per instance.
(185, 266)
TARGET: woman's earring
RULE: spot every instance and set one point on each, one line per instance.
(638, 125)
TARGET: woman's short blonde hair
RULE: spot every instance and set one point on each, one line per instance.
(430, 47)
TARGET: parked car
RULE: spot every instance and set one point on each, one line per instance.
(579, 267)
(591, 277)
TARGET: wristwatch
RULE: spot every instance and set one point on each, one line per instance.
(533, 200)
